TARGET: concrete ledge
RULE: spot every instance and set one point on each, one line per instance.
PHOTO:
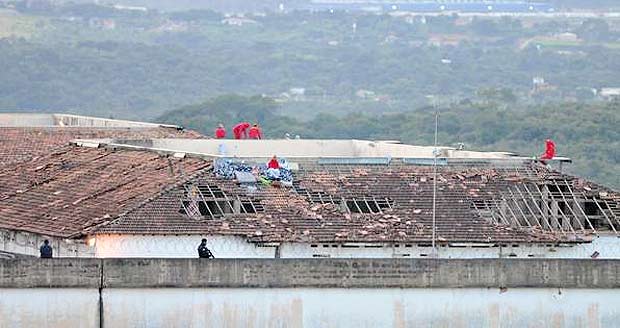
(50, 273)
(316, 273)
(361, 273)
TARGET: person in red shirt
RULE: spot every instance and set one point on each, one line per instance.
(549, 150)
(273, 163)
(240, 131)
(220, 132)
(255, 132)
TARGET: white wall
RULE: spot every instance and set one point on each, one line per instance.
(308, 148)
(607, 247)
(238, 247)
(311, 307)
(29, 243)
(182, 246)
(42, 308)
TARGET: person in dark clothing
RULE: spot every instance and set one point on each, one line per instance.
(203, 251)
(46, 250)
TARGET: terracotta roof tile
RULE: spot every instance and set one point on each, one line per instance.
(19, 144)
(65, 192)
(298, 214)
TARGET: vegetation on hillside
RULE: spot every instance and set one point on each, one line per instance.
(99, 60)
(325, 75)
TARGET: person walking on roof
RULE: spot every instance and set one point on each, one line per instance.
(549, 150)
(46, 250)
(240, 131)
(220, 131)
(203, 251)
(255, 132)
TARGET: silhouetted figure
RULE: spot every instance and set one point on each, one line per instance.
(203, 251)
(46, 250)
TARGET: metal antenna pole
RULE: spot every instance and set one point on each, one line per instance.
(435, 153)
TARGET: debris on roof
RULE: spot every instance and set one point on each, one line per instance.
(380, 204)
(228, 169)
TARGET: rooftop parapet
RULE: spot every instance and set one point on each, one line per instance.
(68, 120)
(298, 148)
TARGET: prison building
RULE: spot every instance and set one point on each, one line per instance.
(120, 197)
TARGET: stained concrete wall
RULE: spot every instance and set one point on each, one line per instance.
(309, 293)
(338, 307)
(309, 307)
(44, 307)
(310, 273)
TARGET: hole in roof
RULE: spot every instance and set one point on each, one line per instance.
(368, 205)
(211, 202)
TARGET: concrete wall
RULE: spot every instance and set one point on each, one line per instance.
(308, 273)
(309, 293)
(37, 307)
(309, 307)
(307, 148)
(48, 120)
(15, 119)
(338, 307)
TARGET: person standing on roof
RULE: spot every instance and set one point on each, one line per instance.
(549, 150)
(220, 131)
(255, 132)
(203, 251)
(46, 250)
(240, 131)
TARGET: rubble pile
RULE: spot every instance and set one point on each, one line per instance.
(226, 169)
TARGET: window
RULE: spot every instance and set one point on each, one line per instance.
(368, 205)
(212, 202)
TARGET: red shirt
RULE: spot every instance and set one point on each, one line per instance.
(549, 150)
(240, 130)
(220, 133)
(255, 133)
(273, 164)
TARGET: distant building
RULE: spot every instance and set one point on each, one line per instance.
(238, 21)
(610, 93)
(131, 8)
(365, 94)
(540, 86)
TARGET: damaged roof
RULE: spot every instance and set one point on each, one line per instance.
(372, 203)
(59, 189)
(68, 190)
(21, 144)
